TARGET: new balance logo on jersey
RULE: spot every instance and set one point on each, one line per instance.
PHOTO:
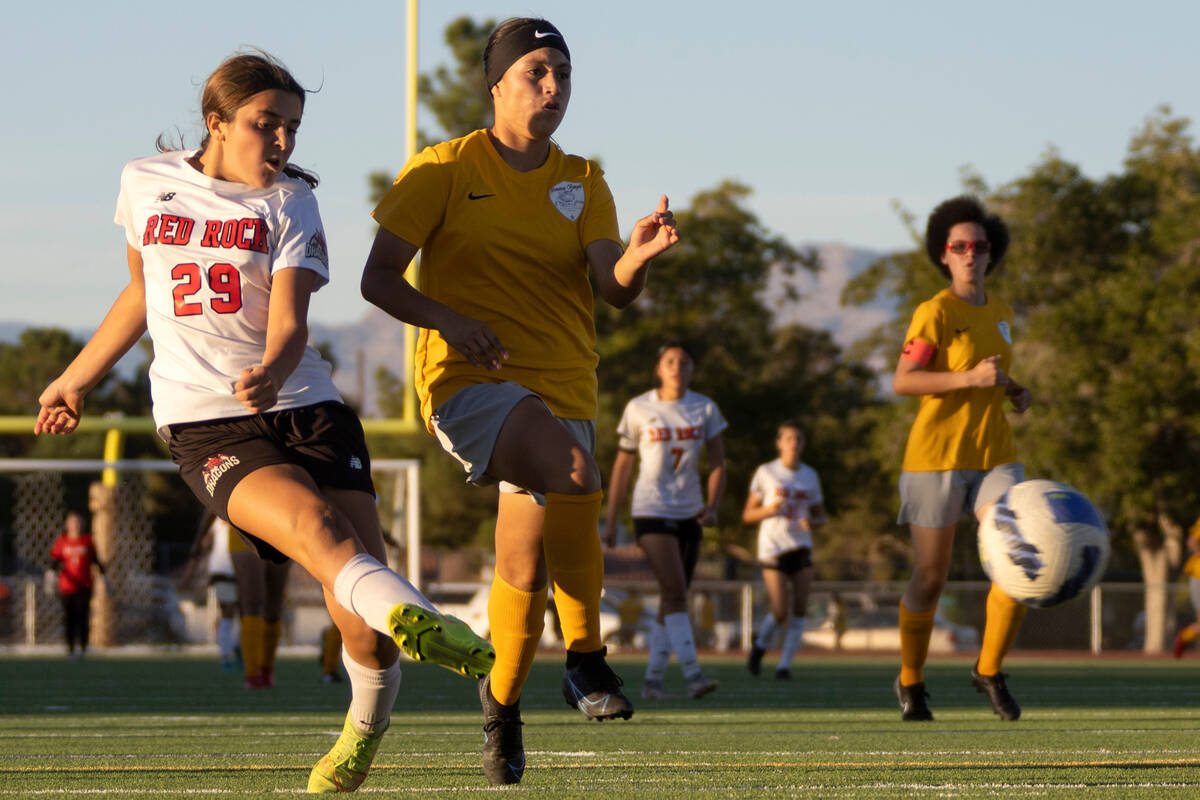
(355, 462)
(165, 196)
(215, 467)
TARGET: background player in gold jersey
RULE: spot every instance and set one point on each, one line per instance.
(509, 227)
(960, 457)
(1191, 570)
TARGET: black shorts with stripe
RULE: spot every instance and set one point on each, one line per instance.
(686, 530)
(325, 440)
(790, 562)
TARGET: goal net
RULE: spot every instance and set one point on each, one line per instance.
(142, 519)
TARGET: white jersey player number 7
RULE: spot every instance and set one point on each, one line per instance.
(669, 436)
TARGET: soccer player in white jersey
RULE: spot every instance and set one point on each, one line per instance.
(667, 430)
(225, 247)
(786, 502)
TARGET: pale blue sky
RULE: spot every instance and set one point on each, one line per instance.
(829, 111)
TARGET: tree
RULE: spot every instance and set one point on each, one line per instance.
(1100, 275)
(457, 96)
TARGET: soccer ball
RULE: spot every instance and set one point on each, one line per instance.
(1043, 543)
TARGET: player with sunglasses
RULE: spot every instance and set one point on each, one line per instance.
(960, 456)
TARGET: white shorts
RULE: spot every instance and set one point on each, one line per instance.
(940, 499)
(468, 425)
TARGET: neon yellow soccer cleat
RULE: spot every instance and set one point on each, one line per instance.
(344, 767)
(440, 639)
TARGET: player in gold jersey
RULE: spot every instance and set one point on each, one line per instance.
(960, 457)
(1191, 569)
(509, 227)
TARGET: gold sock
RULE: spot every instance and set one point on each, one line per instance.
(1190, 633)
(915, 630)
(571, 542)
(1004, 617)
(252, 638)
(270, 642)
(331, 650)
(516, 619)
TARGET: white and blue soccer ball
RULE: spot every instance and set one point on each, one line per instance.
(1043, 543)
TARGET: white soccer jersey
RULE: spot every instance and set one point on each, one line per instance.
(209, 250)
(800, 490)
(668, 436)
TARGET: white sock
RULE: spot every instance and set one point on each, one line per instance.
(791, 642)
(371, 590)
(225, 640)
(679, 631)
(766, 633)
(372, 693)
(660, 653)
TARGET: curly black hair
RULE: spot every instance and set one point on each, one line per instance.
(957, 210)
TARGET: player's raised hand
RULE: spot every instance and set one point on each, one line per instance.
(655, 233)
(60, 409)
(987, 373)
(474, 339)
(256, 389)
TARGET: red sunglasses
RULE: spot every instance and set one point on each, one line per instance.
(962, 247)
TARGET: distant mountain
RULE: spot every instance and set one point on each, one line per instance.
(820, 295)
(360, 348)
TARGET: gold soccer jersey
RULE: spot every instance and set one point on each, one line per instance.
(966, 428)
(506, 248)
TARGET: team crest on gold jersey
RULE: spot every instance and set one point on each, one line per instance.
(567, 197)
(1004, 331)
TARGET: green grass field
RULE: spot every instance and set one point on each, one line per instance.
(174, 726)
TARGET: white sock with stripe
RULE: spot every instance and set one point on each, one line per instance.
(660, 653)
(372, 693)
(225, 638)
(371, 590)
(679, 631)
(791, 642)
(766, 633)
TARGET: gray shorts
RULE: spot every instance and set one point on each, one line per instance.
(940, 499)
(1194, 591)
(469, 423)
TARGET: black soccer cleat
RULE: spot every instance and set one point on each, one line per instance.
(754, 662)
(996, 688)
(913, 707)
(783, 674)
(503, 748)
(592, 687)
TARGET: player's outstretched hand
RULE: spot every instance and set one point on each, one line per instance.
(60, 409)
(256, 389)
(475, 340)
(653, 234)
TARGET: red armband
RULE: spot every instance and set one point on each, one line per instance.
(919, 352)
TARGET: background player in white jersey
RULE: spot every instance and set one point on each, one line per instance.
(666, 430)
(225, 247)
(211, 548)
(786, 502)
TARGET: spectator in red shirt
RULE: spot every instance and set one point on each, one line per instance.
(74, 556)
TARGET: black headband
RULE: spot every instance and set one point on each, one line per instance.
(534, 35)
